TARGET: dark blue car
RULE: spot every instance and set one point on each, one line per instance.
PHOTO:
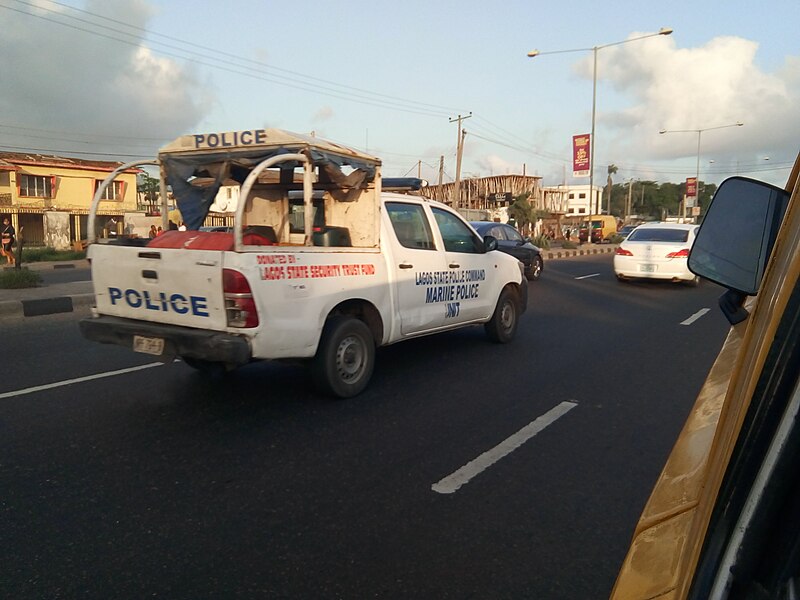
(510, 241)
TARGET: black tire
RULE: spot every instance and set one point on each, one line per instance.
(502, 327)
(534, 272)
(345, 358)
(206, 367)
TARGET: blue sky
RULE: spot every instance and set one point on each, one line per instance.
(120, 78)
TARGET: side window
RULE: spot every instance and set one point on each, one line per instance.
(456, 235)
(512, 234)
(410, 225)
(496, 232)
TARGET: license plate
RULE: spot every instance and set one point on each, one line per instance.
(148, 345)
(647, 268)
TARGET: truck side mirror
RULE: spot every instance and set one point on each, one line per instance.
(489, 243)
(736, 237)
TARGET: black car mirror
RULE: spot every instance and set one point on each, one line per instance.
(736, 237)
(489, 243)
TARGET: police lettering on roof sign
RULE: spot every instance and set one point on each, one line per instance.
(229, 139)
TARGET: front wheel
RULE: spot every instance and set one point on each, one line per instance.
(535, 270)
(502, 327)
(345, 358)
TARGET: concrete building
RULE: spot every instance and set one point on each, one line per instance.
(573, 201)
(48, 197)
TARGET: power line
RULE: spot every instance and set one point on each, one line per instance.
(66, 153)
(399, 104)
(96, 135)
(524, 142)
(520, 149)
(243, 59)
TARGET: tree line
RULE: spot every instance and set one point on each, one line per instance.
(649, 200)
(653, 200)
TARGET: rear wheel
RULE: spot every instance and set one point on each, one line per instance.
(206, 367)
(345, 358)
(502, 326)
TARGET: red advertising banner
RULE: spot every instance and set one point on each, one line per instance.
(691, 187)
(580, 155)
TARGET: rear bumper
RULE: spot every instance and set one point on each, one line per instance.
(673, 270)
(212, 346)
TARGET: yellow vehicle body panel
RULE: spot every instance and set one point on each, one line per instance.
(669, 537)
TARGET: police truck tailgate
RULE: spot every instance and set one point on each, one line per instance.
(160, 285)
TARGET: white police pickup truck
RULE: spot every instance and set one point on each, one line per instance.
(320, 265)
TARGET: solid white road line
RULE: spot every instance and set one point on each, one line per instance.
(695, 316)
(587, 276)
(451, 483)
(49, 386)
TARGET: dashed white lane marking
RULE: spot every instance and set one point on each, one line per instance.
(50, 386)
(587, 276)
(695, 316)
(451, 483)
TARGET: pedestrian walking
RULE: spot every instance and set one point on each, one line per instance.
(8, 237)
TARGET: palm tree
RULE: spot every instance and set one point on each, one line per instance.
(521, 212)
(612, 169)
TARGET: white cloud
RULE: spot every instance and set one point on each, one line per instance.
(713, 85)
(495, 165)
(68, 79)
(323, 114)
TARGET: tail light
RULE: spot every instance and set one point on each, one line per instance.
(679, 254)
(240, 307)
(623, 252)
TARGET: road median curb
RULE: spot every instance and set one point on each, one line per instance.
(44, 306)
(564, 253)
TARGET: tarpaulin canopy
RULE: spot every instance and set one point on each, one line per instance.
(195, 166)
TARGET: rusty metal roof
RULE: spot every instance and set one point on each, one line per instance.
(13, 160)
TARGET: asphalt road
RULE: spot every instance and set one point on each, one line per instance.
(466, 470)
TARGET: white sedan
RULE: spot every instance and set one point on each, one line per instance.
(656, 251)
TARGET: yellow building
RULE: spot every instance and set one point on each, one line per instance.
(48, 197)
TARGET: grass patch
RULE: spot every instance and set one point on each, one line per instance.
(12, 279)
(43, 254)
(568, 245)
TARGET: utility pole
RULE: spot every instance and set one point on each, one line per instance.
(419, 169)
(441, 171)
(457, 186)
(628, 206)
(458, 168)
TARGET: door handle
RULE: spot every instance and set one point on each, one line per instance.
(406, 266)
(454, 265)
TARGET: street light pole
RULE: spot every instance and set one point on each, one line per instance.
(699, 133)
(594, 49)
(591, 148)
